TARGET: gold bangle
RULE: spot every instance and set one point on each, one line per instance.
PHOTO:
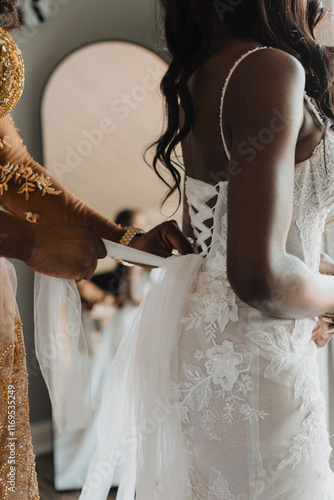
(127, 238)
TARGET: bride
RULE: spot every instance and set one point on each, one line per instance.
(219, 373)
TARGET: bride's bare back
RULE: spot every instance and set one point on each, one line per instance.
(265, 90)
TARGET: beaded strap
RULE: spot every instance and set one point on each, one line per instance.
(227, 81)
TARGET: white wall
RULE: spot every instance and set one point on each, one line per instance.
(73, 23)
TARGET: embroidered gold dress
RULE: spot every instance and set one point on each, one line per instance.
(18, 478)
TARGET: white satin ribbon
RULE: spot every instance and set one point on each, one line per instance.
(60, 342)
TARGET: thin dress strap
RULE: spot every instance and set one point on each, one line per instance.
(224, 92)
(314, 110)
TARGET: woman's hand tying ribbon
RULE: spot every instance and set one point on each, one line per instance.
(60, 342)
(64, 251)
(162, 240)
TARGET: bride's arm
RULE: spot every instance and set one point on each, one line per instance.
(260, 197)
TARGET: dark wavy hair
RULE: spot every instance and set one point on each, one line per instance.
(189, 29)
(9, 18)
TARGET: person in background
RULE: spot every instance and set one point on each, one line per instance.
(125, 283)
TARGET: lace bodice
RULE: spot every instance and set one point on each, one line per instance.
(313, 199)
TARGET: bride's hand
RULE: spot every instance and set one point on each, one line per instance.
(323, 331)
(162, 240)
(326, 264)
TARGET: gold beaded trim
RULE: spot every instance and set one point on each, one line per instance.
(4, 141)
(126, 239)
(27, 179)
(12, 75)
(5, 399)
(32, 217)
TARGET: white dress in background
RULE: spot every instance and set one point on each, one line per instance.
(221, 401)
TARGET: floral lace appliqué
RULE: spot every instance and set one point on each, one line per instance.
(283, 348)
(214, 300)
(279, 347)
(207, 422)
(218, 490)
(227, 376)
(304, 443)
(313, 197)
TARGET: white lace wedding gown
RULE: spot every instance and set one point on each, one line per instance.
(224, 402)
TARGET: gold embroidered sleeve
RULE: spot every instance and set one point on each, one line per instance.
(26, 180)
(29, 192)
(5, 142)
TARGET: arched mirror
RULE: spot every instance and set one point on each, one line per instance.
(100, 109)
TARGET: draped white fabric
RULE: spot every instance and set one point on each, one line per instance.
(61, 350)
(61, 346)
(139, 425)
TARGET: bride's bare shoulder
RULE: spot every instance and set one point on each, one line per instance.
(266, 76)
(256, 61)
(264, 69)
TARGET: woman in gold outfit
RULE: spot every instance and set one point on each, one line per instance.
(54, 233)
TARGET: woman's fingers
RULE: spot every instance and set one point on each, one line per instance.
(101, 249)
(326, 264)
(90, 272)
(172, 234)
(323, 332)
(316, 332)
(162, 240)
(65, 251)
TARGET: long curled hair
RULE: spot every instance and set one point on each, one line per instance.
(9, 18)
(189, 30)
